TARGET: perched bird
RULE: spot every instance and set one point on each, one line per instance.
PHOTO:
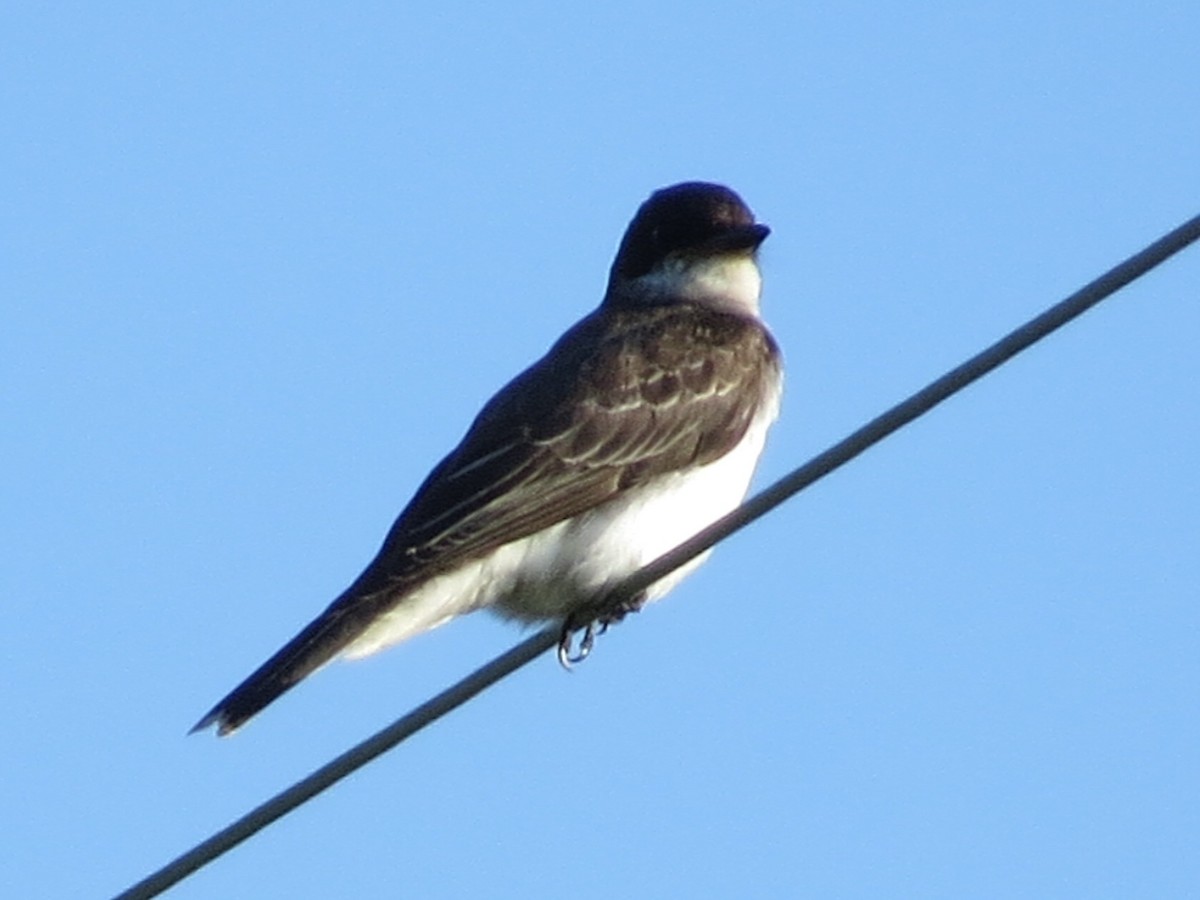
(639, 427)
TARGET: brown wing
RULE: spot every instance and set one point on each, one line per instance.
(624, 396)
(659, 392)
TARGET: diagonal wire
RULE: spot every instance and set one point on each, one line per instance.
(819, 466)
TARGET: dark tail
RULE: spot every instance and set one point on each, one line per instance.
(317, 644)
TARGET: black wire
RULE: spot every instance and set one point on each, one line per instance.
(819, 466)
(330, 773)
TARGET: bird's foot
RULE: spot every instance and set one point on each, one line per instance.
(593, 621)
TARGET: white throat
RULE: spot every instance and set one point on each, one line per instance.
(732, 283)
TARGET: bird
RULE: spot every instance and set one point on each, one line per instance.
(640, 426)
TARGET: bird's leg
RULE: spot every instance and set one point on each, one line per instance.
(594, 621)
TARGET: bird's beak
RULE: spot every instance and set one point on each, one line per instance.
(742, 237)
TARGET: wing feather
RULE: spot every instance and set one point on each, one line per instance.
(658, 394)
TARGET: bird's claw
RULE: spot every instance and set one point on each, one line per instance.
(593, 625)
(568, 657)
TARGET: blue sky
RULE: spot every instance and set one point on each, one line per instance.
(262, 266)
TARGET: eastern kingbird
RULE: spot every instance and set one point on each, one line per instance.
(639, 427)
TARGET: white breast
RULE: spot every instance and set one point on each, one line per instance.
(550, 573)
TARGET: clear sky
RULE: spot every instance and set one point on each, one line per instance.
(262, 266)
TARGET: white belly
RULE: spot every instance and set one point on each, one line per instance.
(550, 573)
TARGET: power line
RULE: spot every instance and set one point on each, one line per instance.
(819, 466)
(330, 773)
